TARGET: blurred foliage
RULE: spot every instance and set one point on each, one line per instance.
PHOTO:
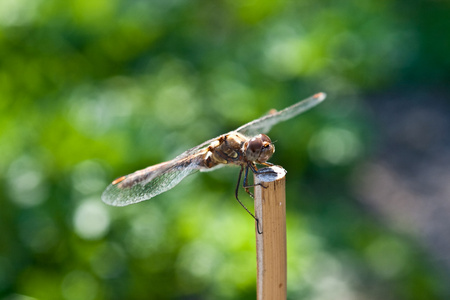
(94, 89)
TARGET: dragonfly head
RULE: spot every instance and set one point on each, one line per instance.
(259, 148)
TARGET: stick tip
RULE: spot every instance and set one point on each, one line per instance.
(270, 174)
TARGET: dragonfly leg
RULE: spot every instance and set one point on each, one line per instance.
(237, 198)
(245, 183)
(236, 192)
(255, 169)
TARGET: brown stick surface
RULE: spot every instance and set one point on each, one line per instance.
(270, 210)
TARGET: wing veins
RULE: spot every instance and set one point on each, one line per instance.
(265, 123)
(151, 181)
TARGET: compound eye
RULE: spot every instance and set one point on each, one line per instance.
(265, 139)
(254, 145)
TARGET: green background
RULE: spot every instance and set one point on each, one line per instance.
(94, 89)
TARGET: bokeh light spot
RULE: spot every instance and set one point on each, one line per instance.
(26, 182)
(335, 146)
(17, 12)
(91, 220)
(388, 257)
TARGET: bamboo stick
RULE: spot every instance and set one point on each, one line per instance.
(270, 210)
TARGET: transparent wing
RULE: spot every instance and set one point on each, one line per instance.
(265, 123)
(147, 183)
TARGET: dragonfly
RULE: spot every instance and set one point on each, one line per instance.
(246, 147)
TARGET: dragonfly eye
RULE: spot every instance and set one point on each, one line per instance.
(265, 138)
(259, 148)
(254, 145)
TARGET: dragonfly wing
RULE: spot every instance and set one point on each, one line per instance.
(147, 183)
(265, 123)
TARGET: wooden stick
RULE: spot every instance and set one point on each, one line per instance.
(270, 210)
